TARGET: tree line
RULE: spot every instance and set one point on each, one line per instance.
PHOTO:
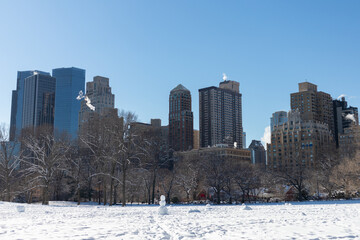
(116, 161)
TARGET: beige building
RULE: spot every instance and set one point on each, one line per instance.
(99, 93)
(236, 154)
(196, 139)
(349, 141)
(296, 143)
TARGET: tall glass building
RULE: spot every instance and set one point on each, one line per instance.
(69, 82)
(17, 102)
(38, 104)
(278, 119)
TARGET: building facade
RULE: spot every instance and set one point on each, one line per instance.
(277, 119)
(181, 120)
(69, 82)
(17, 103)
(258, 154)
(220, 115)
(38, 100)
(99, 93)
(344, 117)
(349, 141)
(196, 139)
(296, 143)
(234, 154)
(313, 105)
(244, 140)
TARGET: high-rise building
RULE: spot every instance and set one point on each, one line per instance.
(69, 82)
(99, 93)
(244, 140)
(196, 139)
(180, 119)
(220, 115)
(17, 102)
(258, 153)
(277, 119)
(313, 105)
(38, 100)
(296, 143)
(235, 155)
(349, 141)
(344, 117)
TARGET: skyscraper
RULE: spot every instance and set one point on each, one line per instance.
(196, 139)
(296, 143)
(220, 115)
(99, 93)
(313, 105)
(258, 153)
(308, 131)
(181, 129)
(69, 82)
(277, 119)
(17, 102)
(38, 100)
(344, 117)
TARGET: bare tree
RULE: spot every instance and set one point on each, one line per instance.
(43, 158)
(247, 178)
(295, 176)
(189, 175)
(129, 150)
(167, 180)
(347, 175)
(155, 157)
(216, 170)
(320, 176)
(9, 163)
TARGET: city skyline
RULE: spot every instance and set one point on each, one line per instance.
(260, 45)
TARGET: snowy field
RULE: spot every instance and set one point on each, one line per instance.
(64, 220)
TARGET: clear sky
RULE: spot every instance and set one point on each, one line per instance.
(147, 48)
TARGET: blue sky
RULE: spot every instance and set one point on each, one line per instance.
(147, 47)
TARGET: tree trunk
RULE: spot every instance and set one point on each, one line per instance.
(30, 197)
(8, 196)
(112, 184)
(153, 189)
(123, 202)
(111, 192)
(89, 189)
(45, 200)
(243, 197)
(78, 193)
(99, 193)
(218, 196)
(105, 193)
(115, 195)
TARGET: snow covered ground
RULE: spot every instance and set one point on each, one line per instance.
(64, 220)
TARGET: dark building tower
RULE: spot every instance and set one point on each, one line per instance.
(220, 115)
(344, 117)
(69, 82)
(181, 130)
(17, 102)
(258, 153)
(39, 99)
(313, 105)
(13, 116)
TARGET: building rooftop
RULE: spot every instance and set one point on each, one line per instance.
(180, 88)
